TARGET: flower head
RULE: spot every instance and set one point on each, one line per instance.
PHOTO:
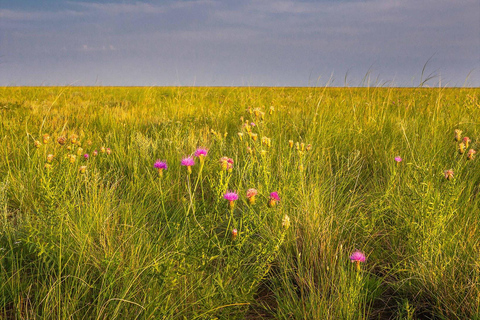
(108, 151)
(37, 144)
(231, 196)
(188, 162)
(79, 151)
(46, 138)
(227, 163)
(448, 174)
(95, 153)
(86, 156)
(274, 196)
(160, 165)
(50, 158)
(61, 140)
(234, 234)
(73, 138)
(251, 193)
(273, 199)
(82, 169)
(201, 152)
(398, 159)
(471, 154)
(357, 257)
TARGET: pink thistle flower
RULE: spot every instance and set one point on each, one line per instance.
(398, 159)
(160, 165)
(188, 162)
(95, 153)
(253, 124)
(201, 152)
(357, 257)
(86, 156)
(274, 195)
(231, 197)
(273, 199)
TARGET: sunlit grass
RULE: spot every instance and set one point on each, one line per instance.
(201, 203)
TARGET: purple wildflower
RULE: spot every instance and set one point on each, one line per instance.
(274, 196)
(201, 152)
(357, 256)
(398, 159)
(231, 196)
(160, 165)
(273, 199)
(86, 156)
(188, 161)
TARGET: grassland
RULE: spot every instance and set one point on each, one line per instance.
(118, 240)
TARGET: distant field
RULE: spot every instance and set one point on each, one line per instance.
(93, 226)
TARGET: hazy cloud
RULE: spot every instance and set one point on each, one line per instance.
(238, 42)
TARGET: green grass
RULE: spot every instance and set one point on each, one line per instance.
(120, 242)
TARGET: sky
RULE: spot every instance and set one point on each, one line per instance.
(240, 43)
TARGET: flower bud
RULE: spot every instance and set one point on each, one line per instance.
(45, 138)
(61, 140)
(471, 154)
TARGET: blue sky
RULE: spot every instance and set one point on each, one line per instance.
(250, 43)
